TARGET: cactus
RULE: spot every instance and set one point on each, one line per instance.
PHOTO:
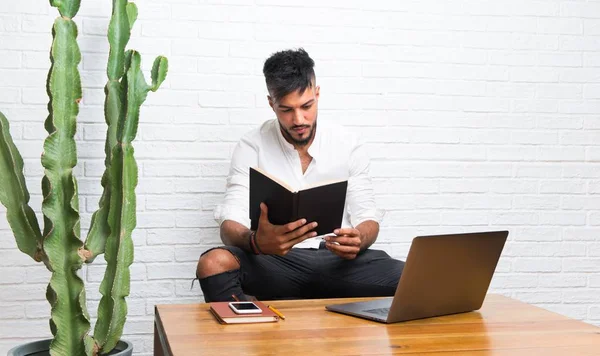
(59, 245)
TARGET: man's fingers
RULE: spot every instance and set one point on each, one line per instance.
(264, 212)
(294, 225)
(346, 231)
(347, 252)
(298, 239)
(303, 230)
(344, 240)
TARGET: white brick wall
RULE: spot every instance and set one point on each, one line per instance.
(480, 115)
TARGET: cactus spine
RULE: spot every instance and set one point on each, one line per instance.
(59, 245)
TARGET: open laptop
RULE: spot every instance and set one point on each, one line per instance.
(443, 274)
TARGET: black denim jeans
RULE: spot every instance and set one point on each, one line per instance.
(305, 274)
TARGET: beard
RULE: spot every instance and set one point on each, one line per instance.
(288, 134)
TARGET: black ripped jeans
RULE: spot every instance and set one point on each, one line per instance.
(304, 274)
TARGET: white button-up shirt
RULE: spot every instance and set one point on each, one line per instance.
(336, 155)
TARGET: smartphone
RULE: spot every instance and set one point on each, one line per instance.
(245, 308)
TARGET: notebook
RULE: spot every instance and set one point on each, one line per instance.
(225, 315)
(443, 274)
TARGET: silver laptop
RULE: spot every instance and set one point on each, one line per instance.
(443, 274)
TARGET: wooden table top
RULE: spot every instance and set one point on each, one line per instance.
(503, 326)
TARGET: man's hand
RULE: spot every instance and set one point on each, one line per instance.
(279, 239)
(345, 244)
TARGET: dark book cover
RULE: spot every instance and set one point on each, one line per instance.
(322, 203)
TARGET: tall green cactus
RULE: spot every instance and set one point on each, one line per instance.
(59, 245)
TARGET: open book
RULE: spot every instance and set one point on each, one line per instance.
(225, 315)
(323, 203)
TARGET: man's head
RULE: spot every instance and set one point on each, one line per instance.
(293, 94)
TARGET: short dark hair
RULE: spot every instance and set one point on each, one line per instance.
(288, 71)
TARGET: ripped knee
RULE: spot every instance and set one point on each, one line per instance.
(215, 261)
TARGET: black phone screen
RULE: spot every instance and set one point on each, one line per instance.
(245, 306)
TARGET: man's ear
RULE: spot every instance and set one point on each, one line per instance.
(317, 91)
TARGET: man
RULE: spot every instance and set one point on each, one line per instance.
(287, 261)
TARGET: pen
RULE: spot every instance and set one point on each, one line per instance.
(235, 298)
(276, 312)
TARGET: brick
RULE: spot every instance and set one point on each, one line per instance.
(562, 187)
(17, 328)
(594, 218)
(191, 236)
(401, 186)
(581, 265)
(512, 58)
(171, 271)
(562, 154)
(186, 254)
(198, 47)
(581, 234)
(172, 169)
(559, 123)
(10, 95)
(562, 218)
(516, 186)
(579, 75)
(464, 219)
(539, 297)
(537, 233)
(582, 10)
(464, 186)
(396, 218)
(580, 203)
(539, 75)
(558, 59)
(563, 280)
(511, 281)
(546, 249)
(579, 107)
(195, 220)
(512, 153)
(510, 90)
(537, 202)
(537, 170)
(582, 296)
(12, 311)
(588, 170)
(591, 59)
(594, 187)
(173, 203)
(560, 26)
(514, 218)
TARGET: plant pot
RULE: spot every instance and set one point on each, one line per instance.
(42, 348)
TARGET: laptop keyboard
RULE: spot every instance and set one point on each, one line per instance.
(379, 311)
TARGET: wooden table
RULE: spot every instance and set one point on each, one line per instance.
(503, 326)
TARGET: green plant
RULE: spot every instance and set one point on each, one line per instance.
(59, 245)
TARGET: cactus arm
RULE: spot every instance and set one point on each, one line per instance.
(118, 36)
(60, 204)
(112, 309)
(119, 33)
(15, 196)
(132, 13)
(159, 72)
(66, 8)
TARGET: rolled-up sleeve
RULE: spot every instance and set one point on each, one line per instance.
(360, 200)
(235, 205)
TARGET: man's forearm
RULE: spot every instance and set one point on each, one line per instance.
(369, 230)
(235, 234)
